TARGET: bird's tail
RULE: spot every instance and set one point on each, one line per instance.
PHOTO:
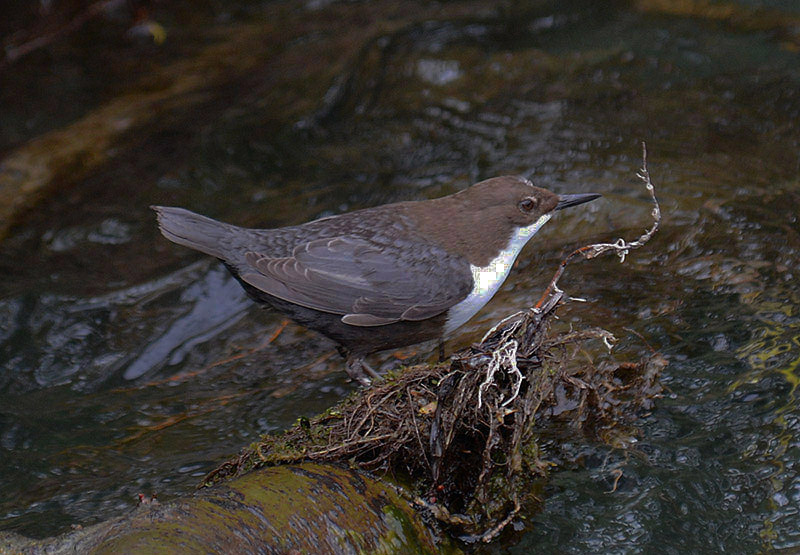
(193, 230)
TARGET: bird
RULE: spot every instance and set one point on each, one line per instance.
(383, 277)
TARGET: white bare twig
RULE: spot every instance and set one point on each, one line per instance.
(512, 328)
(608, 339)
(503, 356)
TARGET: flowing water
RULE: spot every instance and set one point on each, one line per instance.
(128, 364)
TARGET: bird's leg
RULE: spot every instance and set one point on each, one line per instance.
(369, 370)
(441, 350)
(358, 369)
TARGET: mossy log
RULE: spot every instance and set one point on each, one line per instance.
(304, 508)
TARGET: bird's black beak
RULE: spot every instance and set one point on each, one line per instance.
(565, 201)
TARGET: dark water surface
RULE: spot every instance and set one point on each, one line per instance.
(329, 107)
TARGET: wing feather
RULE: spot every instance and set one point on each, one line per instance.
(368, 284)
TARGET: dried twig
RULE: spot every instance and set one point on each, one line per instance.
(495, 530)
(620, 247)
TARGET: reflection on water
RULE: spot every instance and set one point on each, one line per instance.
(217, 302)
(559, 92)
(79, 341)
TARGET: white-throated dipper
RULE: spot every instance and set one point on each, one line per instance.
(382, 277)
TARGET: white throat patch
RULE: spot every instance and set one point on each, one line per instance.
(488, 279)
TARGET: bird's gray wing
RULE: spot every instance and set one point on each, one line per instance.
(368, 284)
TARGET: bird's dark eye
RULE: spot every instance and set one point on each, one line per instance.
(527, 204)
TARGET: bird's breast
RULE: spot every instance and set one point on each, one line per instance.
(486, 280)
